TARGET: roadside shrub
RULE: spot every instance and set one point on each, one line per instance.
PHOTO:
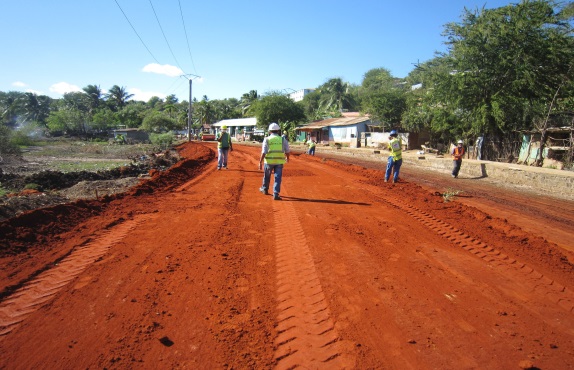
(6, 144)
(163, 140)
(32, 186)
(21, 139)
(3, 191)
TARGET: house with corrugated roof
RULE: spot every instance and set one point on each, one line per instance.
(345, 131)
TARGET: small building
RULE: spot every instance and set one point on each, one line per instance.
(241, 129)
(557, 149)
(345, 131)
(300, 94)
(131, 135)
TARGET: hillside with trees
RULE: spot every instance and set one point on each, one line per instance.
(506, 71)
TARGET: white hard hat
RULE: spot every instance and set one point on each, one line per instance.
(274, 127)
(460, 142)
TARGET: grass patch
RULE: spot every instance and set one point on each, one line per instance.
(90, 166)
(4, 191)
(450, 194)
(84, 149)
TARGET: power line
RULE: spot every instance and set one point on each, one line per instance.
(185, 30)
(133, 28)
(172, 88)
(165, 38)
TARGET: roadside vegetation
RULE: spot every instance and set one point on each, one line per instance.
(506, 71)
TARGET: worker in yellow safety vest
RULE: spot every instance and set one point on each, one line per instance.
(396, 158)
(275, 153)
(223, 147)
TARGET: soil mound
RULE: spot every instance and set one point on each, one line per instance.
(31, 219)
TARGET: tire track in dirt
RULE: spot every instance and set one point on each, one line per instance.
(306, 333)
(556, 292)
(40, 290)
(536, 281)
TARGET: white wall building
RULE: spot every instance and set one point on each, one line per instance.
(300, 94)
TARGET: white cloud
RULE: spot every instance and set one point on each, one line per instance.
(19, 84)
(64, 87)
(144, 95)
(165, 69)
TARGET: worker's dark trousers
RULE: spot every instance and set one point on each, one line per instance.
(456, 167)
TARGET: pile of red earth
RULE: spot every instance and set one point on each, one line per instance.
(42, 215)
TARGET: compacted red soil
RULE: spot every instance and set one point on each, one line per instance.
(195, 268)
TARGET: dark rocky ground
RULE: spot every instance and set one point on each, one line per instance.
(31, 186)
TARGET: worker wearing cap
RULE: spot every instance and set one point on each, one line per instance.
(396, 158)
(457, 154)
(275, 153)
(223, 147)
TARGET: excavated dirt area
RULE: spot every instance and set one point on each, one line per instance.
(195, 268)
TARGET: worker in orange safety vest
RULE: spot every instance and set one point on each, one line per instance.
(457, 154)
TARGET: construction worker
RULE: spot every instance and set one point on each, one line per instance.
(396, 158)
(223, 147)
(312, 144)
(457, 154)
(275, 153)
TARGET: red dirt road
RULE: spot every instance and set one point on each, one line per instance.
(197, 269)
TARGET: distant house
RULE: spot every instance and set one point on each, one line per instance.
(239, 128)
(557, 148)
(300, 94)
(346, 131)
(132, 135)
(379, 137)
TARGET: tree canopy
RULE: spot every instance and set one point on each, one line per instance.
(505, 70)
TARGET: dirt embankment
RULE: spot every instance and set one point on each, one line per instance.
(195, 268)
(34, 187)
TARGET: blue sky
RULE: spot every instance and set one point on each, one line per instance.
(55, 46)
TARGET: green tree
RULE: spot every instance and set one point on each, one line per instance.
(383, 97)
(226, 109)
(507, 64)
(11, 107)
(6, 145)
(117, 97)
(335, 95)
(246, 101)
(133, 114)
(158, 122)
(104, 118)
(66, 120)
(204, 111)
(36, 107)
(431, 105)
(276, 107)
(155, 102)
(95, 97)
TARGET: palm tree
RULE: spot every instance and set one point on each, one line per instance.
(204, 111)
(118, 97)
(334, 94)
(94, 97)
(247, 100)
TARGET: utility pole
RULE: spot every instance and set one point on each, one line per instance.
(190, 114)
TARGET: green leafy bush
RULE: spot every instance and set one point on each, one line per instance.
(163, 140)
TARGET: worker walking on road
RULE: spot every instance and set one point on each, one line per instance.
(275, 153)
(312, 144)
(457, 154)
(223, 147)
(396, 158)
